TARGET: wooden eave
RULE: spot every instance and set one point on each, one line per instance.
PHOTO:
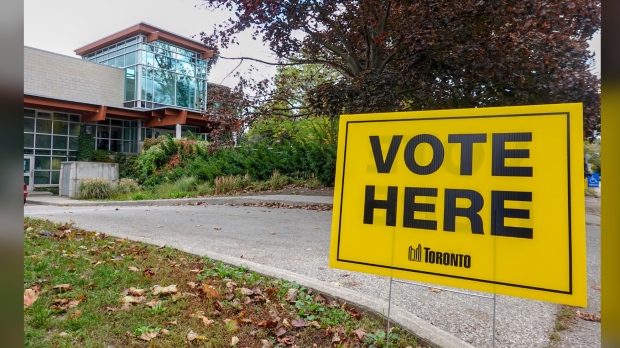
(152, 33)
(166, 116)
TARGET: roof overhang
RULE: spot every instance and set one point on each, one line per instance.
(152, 33)
(166, 116)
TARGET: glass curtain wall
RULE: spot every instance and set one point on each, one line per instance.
(157, 73)
(52, 138)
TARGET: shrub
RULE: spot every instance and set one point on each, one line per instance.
(278, 181)
(225, 184)
(312, 182)
(204, 189)
(185, 183)
(101, 156)
(126, 185)
(95, 188)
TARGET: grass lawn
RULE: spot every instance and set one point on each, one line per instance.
(85, 289)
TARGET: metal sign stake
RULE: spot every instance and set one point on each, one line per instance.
(387, 332)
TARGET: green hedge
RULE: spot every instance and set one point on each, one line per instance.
(168, 161)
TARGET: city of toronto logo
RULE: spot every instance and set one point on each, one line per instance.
(415, 254)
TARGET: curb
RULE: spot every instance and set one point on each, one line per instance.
(162, 202)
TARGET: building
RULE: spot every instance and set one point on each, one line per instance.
(138, 83)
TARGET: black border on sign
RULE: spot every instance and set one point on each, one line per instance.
(570, 229)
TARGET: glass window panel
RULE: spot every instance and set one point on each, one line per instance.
(56, 162)
(41, 177)
(42, 162)
(74, 129)
(28, 124)
(61, 117)
(55, 177)
(149, 133)
(131, 58)
(42, 152)
(28, 140)
(115, 122)
(44, 115)
(58, 152)
(115, 145)
(130, 84)
(73, 143)
(74, 118)
(29, 112)
(116, 133)
(61, 127)
(120, 61)
(60, 142)
(43, 141)
(28, 151)
(164, 62)
(149, 85)
(185, 68)
(183, 92)
(164, 86)
(102, 144)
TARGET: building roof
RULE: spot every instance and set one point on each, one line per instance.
(152, 33)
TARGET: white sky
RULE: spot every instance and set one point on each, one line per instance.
(61, 26)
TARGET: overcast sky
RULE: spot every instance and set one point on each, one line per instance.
(62, 26)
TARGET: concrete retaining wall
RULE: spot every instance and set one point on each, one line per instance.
(72, 173)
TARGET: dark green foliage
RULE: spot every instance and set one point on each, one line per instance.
(126, 165)
(101, 156)
(86, 145)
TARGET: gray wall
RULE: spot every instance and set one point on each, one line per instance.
(62, 77)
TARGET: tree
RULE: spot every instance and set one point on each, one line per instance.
(422, 55)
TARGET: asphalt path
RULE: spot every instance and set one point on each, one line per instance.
(297, 240)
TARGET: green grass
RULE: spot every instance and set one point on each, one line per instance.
(83, 279)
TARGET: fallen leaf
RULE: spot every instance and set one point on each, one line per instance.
(268, 323)
(588, 316)
(217, 228)
(316, 324)
(152, 303)
(129, 334)
(136, 292)
(281, 331)
(246, 291)
(209, 290)
(435, 290)
(197, 271)
(291, 295)
(192, 285)
(30, 295)
(171, 322)
(164, 332)
(266, 344)
(299, 323)
(354, 312)
(596, 287)
(132, 299)
(76, 314)
(147, 336)
(191, 335)
(65, 287)
(205, 320)
(360, 333)
(158, 290)
(110, 309)
(234, 340)
(133, 269)
(286, 323)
